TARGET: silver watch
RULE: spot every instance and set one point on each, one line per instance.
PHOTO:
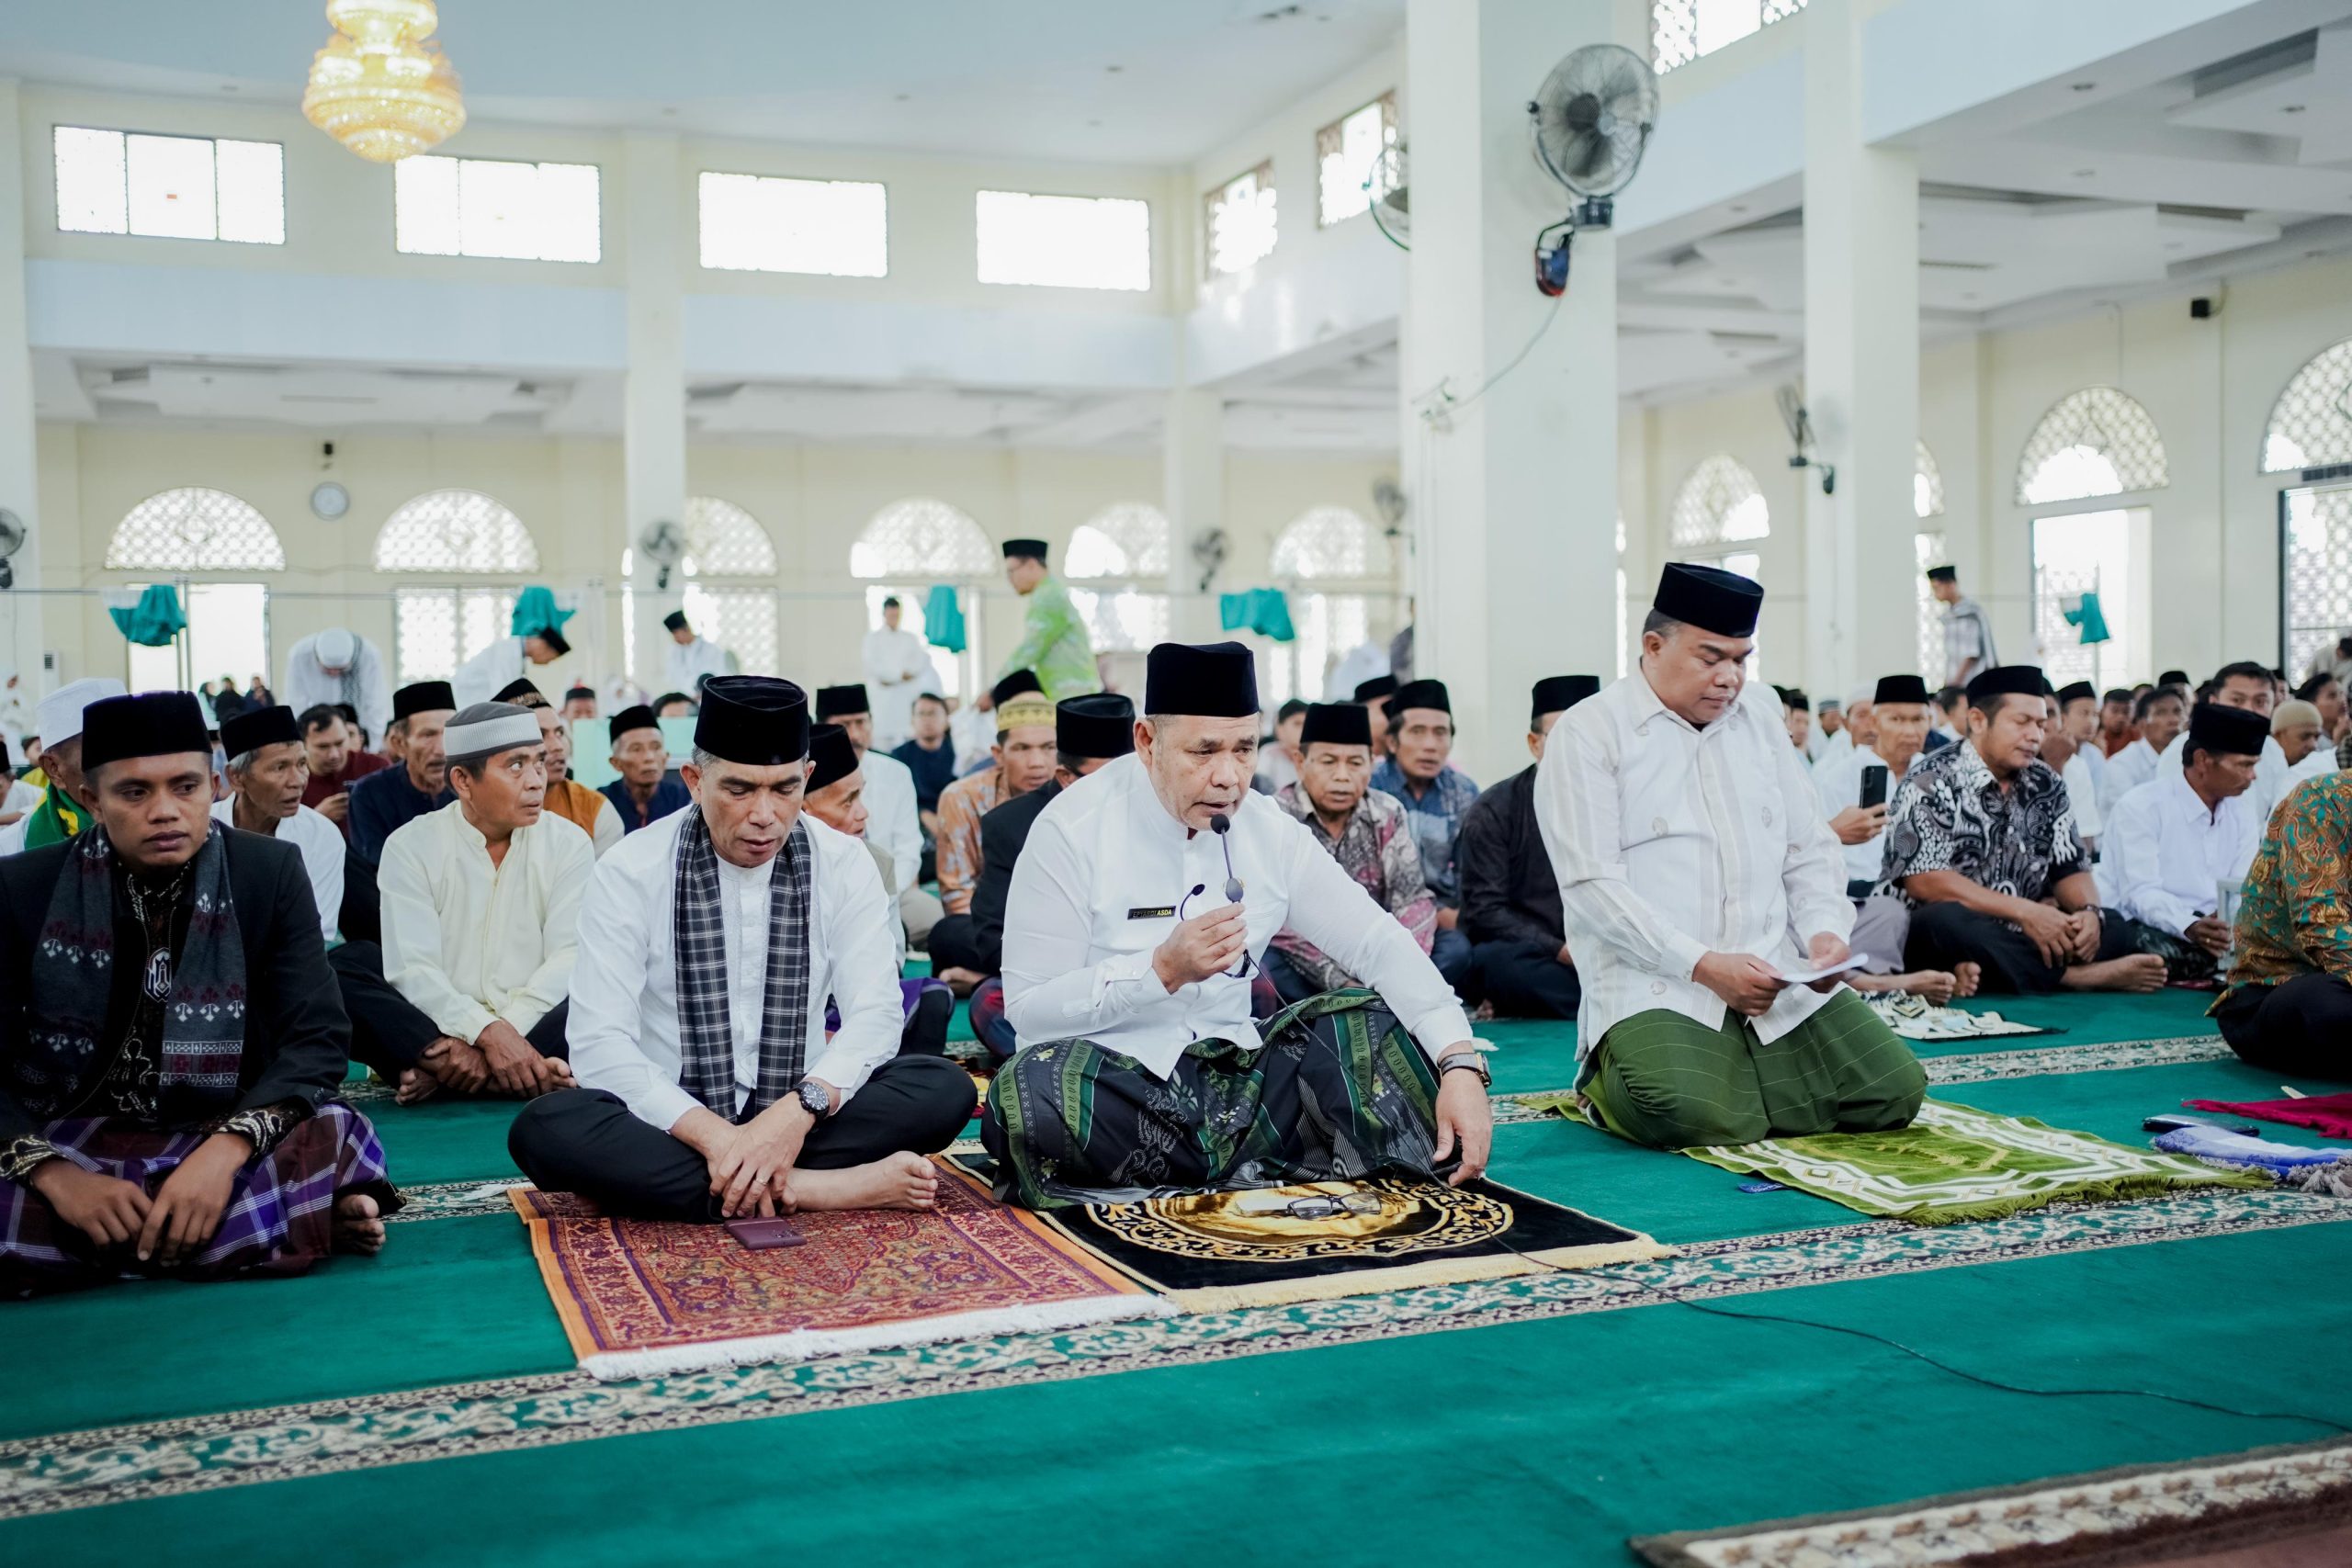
(815, 1099)
(1469, 1059)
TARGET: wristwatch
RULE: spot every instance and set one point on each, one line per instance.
(815, 1099)
(1469, 1059)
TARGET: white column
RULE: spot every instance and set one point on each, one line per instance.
(1861, 370)
(20, 608)
(1192, 457)
(653, 412)
(1513, 481)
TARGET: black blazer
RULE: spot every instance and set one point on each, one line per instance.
(1508, 890)
(1002, 832)
(298, 1038)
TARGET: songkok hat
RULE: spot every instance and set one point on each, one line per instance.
(485, 730)
(2077, 690)
(1829, 704)
(573, 694)
(334, 649)
(832, 758)
(674, 621)
(2293, 712)
(1421, 694)
(256, 727)
(2173, 677)
(518, 687)
(1015, 548)
(2212, 728)
(1012, 685)
(1219, 680)
(1901, 689)
(1943, 574)
(425, 696)
(1558, 694)
(757, 720)
(1372, 691)
(628, 719)
(1709, 598)
(1029, 707)
(1336, 724)
(59, 718)
(153, 723)
(834, 701)
(1793, 696)
(553, 638)
(1101, 723)
(2005, 680)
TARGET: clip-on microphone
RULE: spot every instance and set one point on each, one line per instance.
(1221, 825)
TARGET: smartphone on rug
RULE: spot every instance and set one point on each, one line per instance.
(1874, 785)
(761, 1235)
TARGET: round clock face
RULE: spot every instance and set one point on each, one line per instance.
(330, 501)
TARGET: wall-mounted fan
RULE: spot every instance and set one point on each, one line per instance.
(1807, 453)
(1391, 204)
(1591, 121)
(13, 534)
(1388, 500)
(664, 544)
(1208, 554)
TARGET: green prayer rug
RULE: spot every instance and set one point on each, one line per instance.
(1957, 1164)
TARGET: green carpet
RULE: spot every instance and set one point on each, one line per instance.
(1551, 1431)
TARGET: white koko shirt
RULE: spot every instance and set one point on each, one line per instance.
(891, 820)
(2163, 853)
(1671, 842)
(323, 848)
(1100, 884)
(624, 1025)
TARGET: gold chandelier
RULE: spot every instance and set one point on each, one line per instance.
(378, 87)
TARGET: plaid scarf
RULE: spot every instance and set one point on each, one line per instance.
(705, 1038)
(73, 981)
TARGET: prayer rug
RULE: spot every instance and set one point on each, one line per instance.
(2137, 1515)
(1316, 1241)
(1957, 1164)
(641, 1298)
(1916, 1018)
(2329, 1115)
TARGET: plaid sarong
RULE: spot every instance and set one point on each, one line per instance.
(280, 1218)
(1339, 1090)
(705, 1038)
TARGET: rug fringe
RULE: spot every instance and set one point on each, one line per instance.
(806, 1345)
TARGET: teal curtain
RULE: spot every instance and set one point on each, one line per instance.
(1261, 609)
(536, 611)
(2087, 618)
(943, 619)
(154, 620)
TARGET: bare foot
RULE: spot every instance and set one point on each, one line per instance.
(1932, 984)
(356, 1228)
(2133, 972)
(894, 1181)
(960, 981)
(1966, 976)
(415, 1085)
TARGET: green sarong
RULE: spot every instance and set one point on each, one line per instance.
(1659, 1079)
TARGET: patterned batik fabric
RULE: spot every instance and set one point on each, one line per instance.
(705, 1037)
(1339, 1090)
(1952, 815)
(2297, 915)
(961, 806)
(1435, 818)
(1376, 850)
(279, 1219)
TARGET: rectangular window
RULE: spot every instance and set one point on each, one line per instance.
(1064, 241)
(758, 223)
(1345, 153)
(1240, 221)
(173, 188)
(493, 209)
(228, 634)
(1682, 30)
(437, 629)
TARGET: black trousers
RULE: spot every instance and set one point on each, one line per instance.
(925, 1033)
(587, 1141)
(2302, 1026)
(1526, 979)
(389, 1034)
(1944, 934)
(954, 943)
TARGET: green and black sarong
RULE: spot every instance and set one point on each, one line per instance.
(1338, 1092)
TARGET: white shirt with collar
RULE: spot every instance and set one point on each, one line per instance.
(1101, 881)
(893, 821)
(323, 848)
(1838, 783)
(2318, 764)
(2084, 775)
(469, 943)
(686, 664)
(2271, 780)
(2125, 771)
(484, 675)
(624, 1025)
(2165, 855)
(1671, 842)
(898, 667)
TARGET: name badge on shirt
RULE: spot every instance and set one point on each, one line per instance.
(1156, 912)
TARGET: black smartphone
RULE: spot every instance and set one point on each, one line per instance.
(760, 1235)
(1874, 785)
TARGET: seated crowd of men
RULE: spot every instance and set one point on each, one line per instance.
(1168, 927)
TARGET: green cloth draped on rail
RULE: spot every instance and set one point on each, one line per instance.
(154, 620)
(943, 619)
(1261, 609)
(536, 611)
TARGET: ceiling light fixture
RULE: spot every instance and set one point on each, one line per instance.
(2085, 86)
(2085, 174)
(2290, 109)
(378, 87)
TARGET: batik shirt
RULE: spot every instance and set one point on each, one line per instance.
(2297, 916)
(1378, 854)
(1952, 815)
(1968, 634)
(961, 806)
(1436, 816)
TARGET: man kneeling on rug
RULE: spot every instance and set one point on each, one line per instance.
(708, 943)
(1141, 906)
(170, 1036)
(1695, 872)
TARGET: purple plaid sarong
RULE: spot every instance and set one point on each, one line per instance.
(279, 1221)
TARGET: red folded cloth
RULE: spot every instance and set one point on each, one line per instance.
(2330, 1115)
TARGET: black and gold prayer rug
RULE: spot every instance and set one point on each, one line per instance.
(1280, 1245)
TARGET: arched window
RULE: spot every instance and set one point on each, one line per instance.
(1337, 565)
(2311, 424)
(1128, 544)
(454, 530)
(722, 541)
(1719, 504)
(1926, 485)
(909, 547)
(2095, 441)
(1927, 544)
(195, 529)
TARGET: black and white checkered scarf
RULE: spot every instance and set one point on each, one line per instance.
(705, 1037)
